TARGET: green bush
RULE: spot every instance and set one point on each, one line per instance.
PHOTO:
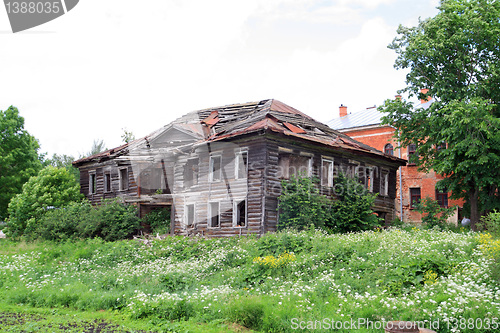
(111, 221)
(158, 220)
(51, 188)
(301, 205)
(433, 214)
(491, 223)
(352, 208)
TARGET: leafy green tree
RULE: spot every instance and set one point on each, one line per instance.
(19, 158)
(352, 208)
(456, 57)
(51, 188)
(64, 161)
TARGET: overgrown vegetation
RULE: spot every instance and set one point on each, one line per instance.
(194, 284)
(52, 188)
(302, 206)
(111, 221)
(433, 214)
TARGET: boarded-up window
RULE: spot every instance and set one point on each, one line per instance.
(327, 172)
(215, 168)
(240, 213)
(241, 165)
(189, 214)
(191, 173)
(92, 183)
(213, 215)
(123, 179)
(107, 182)
(290, 164)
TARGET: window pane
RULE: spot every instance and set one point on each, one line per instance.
(214, 215)
(242, 165)
(389, 149)
(414, 196)
(190, 214)
(215, 168)
(241, 214)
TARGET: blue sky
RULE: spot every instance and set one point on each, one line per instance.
(111, 64)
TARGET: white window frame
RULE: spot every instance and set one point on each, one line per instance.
(328, 161)
(122, 187)
(209, 214)
(237, 164)
(384, 183)
(92, 182)
(186, 215)
(211, 166)
(235, 212)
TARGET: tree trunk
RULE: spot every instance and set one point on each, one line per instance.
(474, 209)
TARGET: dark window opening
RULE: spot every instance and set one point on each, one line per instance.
(213, 215)
(414, 196)
(107, 182)
(123, 179)
(240, 213)
(92, 183)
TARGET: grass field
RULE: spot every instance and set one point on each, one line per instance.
(279, 283)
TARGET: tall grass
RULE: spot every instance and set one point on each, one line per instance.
(264, 284)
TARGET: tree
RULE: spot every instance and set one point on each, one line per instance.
(63, 161)
(455, 56)
(127, 136)
(19, 158)
(52, 188)
(98, 146)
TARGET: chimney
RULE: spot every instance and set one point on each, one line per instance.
(424, 92)
(342, 110)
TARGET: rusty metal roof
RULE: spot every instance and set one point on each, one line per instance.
(230, 121)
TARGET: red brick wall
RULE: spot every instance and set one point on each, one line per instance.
(378, 137)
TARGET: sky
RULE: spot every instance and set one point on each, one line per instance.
(110, 65)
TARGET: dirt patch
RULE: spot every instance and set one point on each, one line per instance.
(21, 322)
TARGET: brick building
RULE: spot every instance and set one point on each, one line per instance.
(365, 126)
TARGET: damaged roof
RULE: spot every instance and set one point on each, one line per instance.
(231, 121)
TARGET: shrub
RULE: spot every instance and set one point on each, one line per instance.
(111, 221)
(158, 220)
(491, 223)
(433, 214)
(301, 205)
(51, 188)
(352, 208)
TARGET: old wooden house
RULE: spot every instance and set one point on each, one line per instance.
(219, 170)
